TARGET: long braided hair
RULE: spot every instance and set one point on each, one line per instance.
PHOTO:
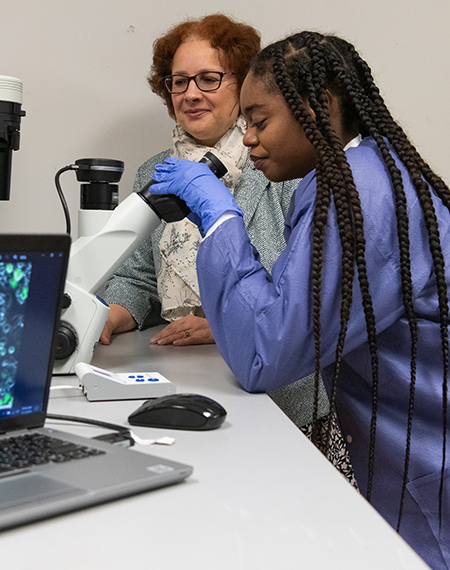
(303, 67)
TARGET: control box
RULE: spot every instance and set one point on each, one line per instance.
(99, 384)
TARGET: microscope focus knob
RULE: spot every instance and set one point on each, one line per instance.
(66, 301)
(66, 340)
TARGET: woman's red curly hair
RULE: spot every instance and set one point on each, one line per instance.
(237, 43)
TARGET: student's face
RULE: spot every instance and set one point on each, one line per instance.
(278, 145)
(205, 116)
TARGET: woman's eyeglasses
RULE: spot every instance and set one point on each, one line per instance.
(205, 81)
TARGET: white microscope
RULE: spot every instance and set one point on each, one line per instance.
(108, 235)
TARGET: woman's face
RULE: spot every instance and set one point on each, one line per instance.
(278, 144)
(205, 116)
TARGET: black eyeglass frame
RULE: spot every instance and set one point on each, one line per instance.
(194, 78)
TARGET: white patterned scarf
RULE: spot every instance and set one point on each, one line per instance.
(177, 279)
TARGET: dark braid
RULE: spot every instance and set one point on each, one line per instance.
(350, 85)
(303, 67)
(295, 102)
(394, 132)
(420, 172)
(338, 181)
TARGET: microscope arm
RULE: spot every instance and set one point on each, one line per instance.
(93, 259)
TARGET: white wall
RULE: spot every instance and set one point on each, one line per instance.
(84, 63)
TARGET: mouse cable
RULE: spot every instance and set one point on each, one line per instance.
(123, 436)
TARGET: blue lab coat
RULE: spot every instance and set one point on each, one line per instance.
(263, 323)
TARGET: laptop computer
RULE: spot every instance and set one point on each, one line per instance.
(50, 477)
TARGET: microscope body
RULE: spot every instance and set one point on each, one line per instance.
(107, 238)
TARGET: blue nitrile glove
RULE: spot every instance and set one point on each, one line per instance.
(194, 183)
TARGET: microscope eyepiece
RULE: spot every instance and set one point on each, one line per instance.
(171, 208)
(215, 165)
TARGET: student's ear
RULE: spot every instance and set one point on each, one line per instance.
(334, 105)
(308, 107)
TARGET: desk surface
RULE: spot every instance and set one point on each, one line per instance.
(261, 496)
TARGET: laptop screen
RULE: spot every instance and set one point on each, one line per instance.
(32, 275)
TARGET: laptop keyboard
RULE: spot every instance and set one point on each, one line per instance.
(31, 449)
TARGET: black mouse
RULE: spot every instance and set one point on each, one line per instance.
(179, 411)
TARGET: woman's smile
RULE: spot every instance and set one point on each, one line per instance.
(195, 113)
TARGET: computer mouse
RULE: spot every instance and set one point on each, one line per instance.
(179, 411)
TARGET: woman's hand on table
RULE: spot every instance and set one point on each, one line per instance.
(185, 331)
(119, 321)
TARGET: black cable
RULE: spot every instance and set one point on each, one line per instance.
(99, 423)
(61, 195)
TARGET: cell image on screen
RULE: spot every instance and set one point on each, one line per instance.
(14, 289)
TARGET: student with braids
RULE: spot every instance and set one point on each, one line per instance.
(360, 291)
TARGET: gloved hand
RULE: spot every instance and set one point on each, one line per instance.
(194, 183)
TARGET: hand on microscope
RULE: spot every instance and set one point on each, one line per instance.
(194, 183)
(119, 321)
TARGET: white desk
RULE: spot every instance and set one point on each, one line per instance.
(261, 495)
